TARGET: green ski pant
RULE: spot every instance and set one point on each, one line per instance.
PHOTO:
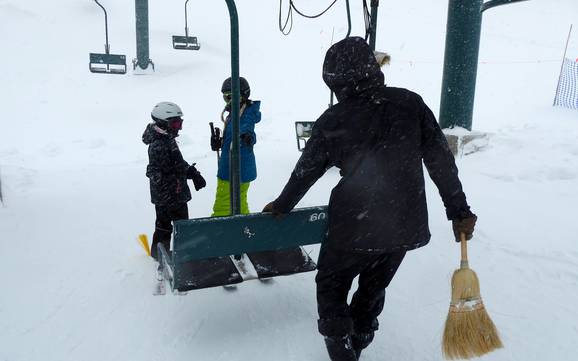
(222, 206)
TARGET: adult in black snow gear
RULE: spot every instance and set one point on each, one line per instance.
(168, 172)
(378, 137)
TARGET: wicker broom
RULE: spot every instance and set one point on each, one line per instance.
(469, 331)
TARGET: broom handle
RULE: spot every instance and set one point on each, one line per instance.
(464, 244)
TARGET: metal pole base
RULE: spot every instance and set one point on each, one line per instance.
(462, 142)
(138, 70)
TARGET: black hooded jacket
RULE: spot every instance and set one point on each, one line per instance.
(378, 137)
(167, 170)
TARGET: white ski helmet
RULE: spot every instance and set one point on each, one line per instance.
(165, 110)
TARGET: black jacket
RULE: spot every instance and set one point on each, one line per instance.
(167, 170)
(378, 137)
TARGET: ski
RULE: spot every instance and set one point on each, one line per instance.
(267, 281)
(245, 267)
(160, 286)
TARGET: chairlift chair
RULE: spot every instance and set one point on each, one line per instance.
(186, 42)
(107, 63)
(202, 248)
(303, 133)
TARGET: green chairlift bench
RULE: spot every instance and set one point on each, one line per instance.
(106, 63)
(186, 42)
(203, 248)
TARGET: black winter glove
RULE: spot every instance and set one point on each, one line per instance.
(464, 225)
(270, 208)
(247, 139)
(216, 140)
(198, 180)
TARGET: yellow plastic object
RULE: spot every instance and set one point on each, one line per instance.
(144, 241)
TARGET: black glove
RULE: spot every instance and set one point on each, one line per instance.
(216, 140)
(270, 208)
(464, 225)
(247, 139)
(195, 175)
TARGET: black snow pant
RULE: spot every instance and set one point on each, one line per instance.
(163, 224)
(336, 272)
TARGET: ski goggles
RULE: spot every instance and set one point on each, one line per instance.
(175, 123)
(228, 97)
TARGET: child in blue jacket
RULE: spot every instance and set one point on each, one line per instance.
(249, 116)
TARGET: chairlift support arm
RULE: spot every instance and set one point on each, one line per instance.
(186, 20)
(186, 42)
(493, 3)
(373, 21)
(106, 46)
(348, 18)
(235, 169)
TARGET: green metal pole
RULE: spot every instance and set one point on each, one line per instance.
(235, 160)
(464, 27)
(460, 63)
(142, 34)
(373, 30)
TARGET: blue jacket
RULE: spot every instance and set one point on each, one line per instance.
(249, 118)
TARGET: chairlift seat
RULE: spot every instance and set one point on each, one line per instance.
(202, 246)
(282, 262)
(185, 42)
(107, 63)
(198, 274)
(303, 133)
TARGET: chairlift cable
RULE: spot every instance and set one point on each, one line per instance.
(289, 19)
(311, 16)
(97, 61)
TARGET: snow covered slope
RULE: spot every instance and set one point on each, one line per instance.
(77, 286)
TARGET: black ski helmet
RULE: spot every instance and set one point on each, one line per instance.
(245, 88)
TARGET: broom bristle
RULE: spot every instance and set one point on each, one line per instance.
(465, 285)
(469, 331)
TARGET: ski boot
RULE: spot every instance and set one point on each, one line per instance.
(340, 348)
(359, 341)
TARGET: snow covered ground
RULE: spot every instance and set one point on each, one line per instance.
(77, 286)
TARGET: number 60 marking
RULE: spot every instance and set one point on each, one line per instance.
(317, 217)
